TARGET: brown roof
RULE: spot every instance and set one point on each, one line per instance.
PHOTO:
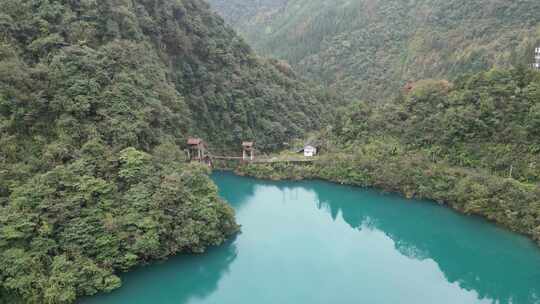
(194, 141)
(247, 144)
(408, 87)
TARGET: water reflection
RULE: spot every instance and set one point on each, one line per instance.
(477, 255)
(315, 242)
(204, 273)
(237, 194)
(180, 279)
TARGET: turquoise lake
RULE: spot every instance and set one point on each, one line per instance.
(317, 242)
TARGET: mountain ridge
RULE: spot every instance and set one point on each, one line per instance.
(97, 99)
(370, 49)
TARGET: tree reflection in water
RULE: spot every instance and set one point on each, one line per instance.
(425, 230)
(290, 248)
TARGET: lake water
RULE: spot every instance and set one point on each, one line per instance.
(316, 242)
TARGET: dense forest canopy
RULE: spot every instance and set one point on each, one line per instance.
(369, 49)
(97, 98)
(237, 11)
(472, 144)
(489, 120)
(201, 65)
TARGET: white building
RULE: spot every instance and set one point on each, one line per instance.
(310, 151)
(536, 64)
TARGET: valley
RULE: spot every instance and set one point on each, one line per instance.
(106, 198)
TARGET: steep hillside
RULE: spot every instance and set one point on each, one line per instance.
(236, 12)
(371, 48)
(96, 100)
(220, 83)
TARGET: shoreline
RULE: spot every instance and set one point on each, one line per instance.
(490, 209)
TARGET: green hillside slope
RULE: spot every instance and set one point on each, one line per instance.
(371, 48)
(236, 12)
(472, 145)
(96, 101)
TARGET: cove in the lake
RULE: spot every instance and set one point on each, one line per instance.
(316, 242)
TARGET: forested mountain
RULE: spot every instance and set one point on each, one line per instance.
(488, 121)
(96, 101)
(371, 48)
(472, 144)
(236, 12)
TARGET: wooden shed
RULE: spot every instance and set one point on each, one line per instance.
(196, 149)
(248, 148)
